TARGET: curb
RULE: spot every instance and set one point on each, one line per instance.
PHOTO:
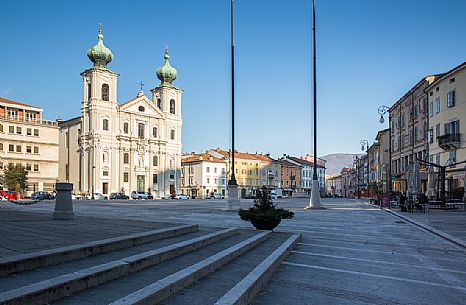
(439, 233)
(444, 235)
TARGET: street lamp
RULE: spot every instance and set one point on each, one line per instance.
(382, 111)
(366, 143)
(315, 190)
(357, 167)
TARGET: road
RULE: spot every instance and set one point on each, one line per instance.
(350, 253)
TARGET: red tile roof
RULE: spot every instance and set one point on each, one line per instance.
(4, 100)
(238, 155)
(200, 157)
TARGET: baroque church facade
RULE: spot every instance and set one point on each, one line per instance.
(133, 146)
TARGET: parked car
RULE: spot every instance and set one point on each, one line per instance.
(140, 195)
(114, 196)
(9, 195)
(181, 196)
(216, 196)
(42, 195)
(97, 196)
(166, 197)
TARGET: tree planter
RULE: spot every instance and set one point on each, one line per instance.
(261, 224)
(264, 215)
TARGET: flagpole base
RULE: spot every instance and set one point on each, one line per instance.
(314, 202)
(232, 201)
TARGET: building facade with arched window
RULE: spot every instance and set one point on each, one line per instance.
(133, 146)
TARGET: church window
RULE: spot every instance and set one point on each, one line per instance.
(126, 158)
(105, 92)
(125, 177)
(155, 160)
(141, 130)
(154, 179)
(89, 91)
(159, 103)
(172, 106)
(105, 157)
(125, 127)
(141, 108)
(105, 124)
(154, 132)
(172, 134)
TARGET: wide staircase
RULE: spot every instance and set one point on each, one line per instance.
(175, 265)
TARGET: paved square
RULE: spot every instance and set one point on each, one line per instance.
(351, 253)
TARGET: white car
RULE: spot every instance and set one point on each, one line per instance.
(97, 196)
(140, 195)
(216, 196)
(181, 196)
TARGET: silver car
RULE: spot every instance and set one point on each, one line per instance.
(140, 195)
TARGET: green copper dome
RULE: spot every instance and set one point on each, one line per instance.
(166, 73)
(99, 54)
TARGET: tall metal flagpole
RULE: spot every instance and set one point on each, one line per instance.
(315, 190)
(232, 184)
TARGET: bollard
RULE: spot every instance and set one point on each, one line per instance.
(63, 202)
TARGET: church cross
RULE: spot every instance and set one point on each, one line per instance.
(141, 84)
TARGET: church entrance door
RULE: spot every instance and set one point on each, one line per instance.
(172, 189)
(141, 183)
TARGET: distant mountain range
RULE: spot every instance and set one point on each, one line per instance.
(335, 162)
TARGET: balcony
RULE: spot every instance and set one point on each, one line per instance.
(449, 141)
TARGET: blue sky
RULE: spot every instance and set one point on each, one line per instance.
(370, 52)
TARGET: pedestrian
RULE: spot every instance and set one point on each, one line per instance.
(402, 203)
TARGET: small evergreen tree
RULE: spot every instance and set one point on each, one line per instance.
(264, 208)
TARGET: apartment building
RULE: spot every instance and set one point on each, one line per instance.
(252, 171)
(447, 123)
(202, 175)
(409, 131)
(27, 139)
(290, 177)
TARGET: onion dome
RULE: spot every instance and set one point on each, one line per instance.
(99, 54)
(166, 73)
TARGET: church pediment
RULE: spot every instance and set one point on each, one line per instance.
(141, 105)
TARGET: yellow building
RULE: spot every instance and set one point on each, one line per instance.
(251, 170)
(447, 124)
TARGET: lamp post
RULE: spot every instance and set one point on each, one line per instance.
(357, 167)
(232, 184)
(315, 190)
(382, 111)
(366, 143)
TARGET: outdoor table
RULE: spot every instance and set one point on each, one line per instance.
(458, 205)
(394, 204)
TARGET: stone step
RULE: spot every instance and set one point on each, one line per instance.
(45, 273)
(118, 288)
(242, 274)
(55, 256)
(244, 292)
(163, 288)
(55, 288)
